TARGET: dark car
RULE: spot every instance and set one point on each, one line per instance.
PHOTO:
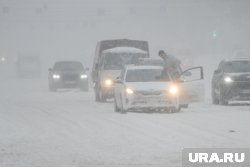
(231, 82)
(68, 74)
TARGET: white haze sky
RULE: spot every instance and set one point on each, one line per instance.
(69, 29)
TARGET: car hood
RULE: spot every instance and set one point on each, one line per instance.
(148, 86)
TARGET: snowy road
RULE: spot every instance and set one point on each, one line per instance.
(68, 129)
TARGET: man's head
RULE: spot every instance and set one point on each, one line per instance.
(162, 54)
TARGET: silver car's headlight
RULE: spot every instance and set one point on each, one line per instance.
(228, 79)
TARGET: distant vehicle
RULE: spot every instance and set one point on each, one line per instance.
(144, 88)
(110, 58)
(151, 62)
(68, 74)
(231, 81)
(28, 66)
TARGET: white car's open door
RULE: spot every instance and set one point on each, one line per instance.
(192, 85)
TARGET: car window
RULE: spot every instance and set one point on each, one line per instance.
(145, 75)
(116, 61)
(71, 66)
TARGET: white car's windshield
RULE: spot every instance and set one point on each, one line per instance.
(145, 75)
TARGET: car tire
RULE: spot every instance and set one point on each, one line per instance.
(176, 107)
(184, 105)
(102, 97)
(215, 100)
(222, 100)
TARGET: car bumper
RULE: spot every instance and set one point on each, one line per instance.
(151, 102)
(70, 84)
(237, 91)
(108, 92)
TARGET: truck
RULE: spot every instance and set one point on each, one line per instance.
(110, 58)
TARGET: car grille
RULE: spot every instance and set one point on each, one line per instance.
(243, 78)
(243, 85)
(70, 77)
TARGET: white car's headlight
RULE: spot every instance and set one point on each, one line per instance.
(173, 89)
(129, 91)
(83, 76)
(108, 82)
(228, 79)
(56, 76)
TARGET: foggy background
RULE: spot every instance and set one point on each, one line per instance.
(203, 30)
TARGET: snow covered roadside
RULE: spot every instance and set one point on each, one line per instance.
(68, 129)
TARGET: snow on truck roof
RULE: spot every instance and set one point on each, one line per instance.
(124, 50)
(141, 67)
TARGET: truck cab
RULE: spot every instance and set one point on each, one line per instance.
(111, 57)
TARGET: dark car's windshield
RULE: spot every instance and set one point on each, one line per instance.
(237, 67)
(116, 61)
(68, 66)
(145, 75)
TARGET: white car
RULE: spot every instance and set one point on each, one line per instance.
(144, 88)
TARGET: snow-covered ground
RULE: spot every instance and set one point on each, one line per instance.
(69, 129)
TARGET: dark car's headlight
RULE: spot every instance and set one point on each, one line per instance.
(83, 76)
(228, 79)
(56, 76)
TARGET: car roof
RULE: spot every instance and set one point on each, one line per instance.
(139, 67)
(236, 59)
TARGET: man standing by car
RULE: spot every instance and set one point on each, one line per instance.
(171, 65)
